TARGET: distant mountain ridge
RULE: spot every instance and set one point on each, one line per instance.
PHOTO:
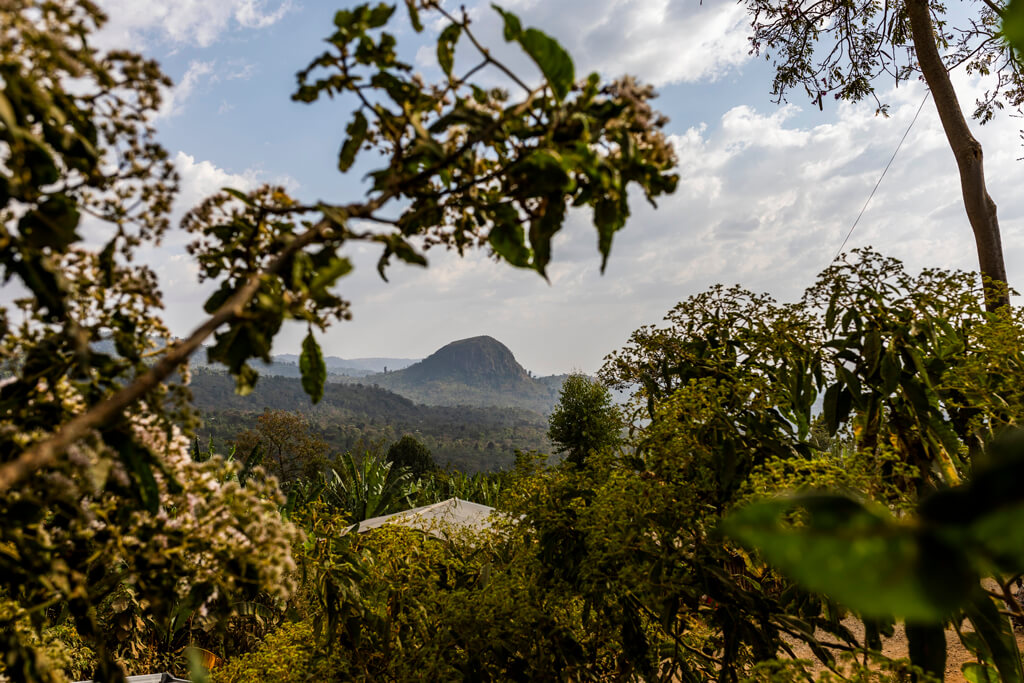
(479, 371)
(357, 366)
(287, 365)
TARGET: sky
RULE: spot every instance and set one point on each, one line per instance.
(767, 192)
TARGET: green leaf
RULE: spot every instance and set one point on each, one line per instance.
(508, 241)
(334, 214)
(609, 218)
(446, 47)
(239, 195)
(397, 246)
(245, 380)
(51, 224)
(313, 369)
(1013, 26)
(106, 263)
(1001, 534)
(251, 463)
(414, 16)
(513, 27)
(830, 314)
(890, 369)
(7, 116)
(926, 644)
(862, 559)
(997, 634)
(356, 137)
(542, 229)
(325, 277)
(837, 404)
(872, 350)
(218, 298)
(979, 673)
(139, 465)
(554, 62)
(380, 15)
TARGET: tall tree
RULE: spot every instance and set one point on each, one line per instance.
(409, 454)
(585, 419)
(288, 447)
(841, 48)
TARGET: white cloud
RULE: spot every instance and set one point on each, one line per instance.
(198, 75)
(200, 179)
(663, 41)
(240, 70)
(766, 197)
(196, 22)
(177, 271)
(175, 97)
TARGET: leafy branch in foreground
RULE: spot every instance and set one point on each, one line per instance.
(466, 167)
(90, 435)
(925, 569)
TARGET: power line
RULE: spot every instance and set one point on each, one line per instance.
(884, 171)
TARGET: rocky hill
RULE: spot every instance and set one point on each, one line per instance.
(479, 371)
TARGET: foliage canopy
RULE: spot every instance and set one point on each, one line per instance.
(96, 486)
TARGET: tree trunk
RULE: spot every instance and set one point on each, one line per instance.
(981, 210)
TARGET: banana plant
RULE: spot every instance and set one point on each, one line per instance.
(367, 487)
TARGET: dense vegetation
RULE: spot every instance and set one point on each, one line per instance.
(731, 523)
(469, 438)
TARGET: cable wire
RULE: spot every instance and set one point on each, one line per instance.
(884, 171)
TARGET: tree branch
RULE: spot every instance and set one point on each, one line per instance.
(45, 453)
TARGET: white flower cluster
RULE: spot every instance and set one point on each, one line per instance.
(209, 531)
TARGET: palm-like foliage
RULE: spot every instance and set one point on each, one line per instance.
(482, 487)
(367, 487)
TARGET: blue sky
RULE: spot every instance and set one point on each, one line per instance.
(767, 192)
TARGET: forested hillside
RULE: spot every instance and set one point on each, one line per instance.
(469, 438)
(479, 371)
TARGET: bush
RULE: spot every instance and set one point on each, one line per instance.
(288, 654)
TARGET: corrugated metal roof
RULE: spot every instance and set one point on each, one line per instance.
(434, 518)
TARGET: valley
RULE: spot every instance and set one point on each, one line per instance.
(471, 403)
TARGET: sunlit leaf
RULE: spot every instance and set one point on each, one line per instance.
(313, 369)
(446, 47)
(1013, 25)
(859, 557)
(356, 136)
(554, 62)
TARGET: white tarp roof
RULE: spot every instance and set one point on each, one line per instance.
(434, 518)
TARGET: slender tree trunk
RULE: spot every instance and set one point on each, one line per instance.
(981, 210)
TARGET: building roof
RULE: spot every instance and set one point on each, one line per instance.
(433, 519)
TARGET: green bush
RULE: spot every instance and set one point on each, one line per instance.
(289, 654)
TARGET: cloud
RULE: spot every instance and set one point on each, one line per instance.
(200, 179)
(197, 75)
(240, 70)
(177, 271)
(664, 41)
(174, 98)
(133, 23)
(766, 197)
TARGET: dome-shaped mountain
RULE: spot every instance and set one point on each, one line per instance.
(479, 361)
(479, 371)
